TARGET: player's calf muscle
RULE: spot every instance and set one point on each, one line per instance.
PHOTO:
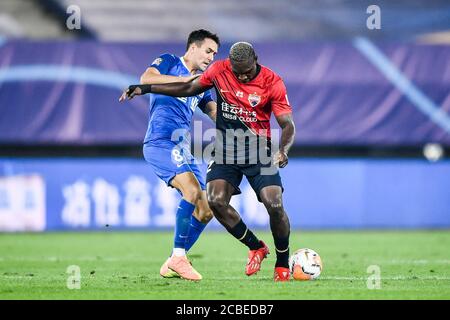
(223, 212)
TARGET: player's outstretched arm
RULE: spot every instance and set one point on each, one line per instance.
(153, 76)
(287, 139)
(179, 89)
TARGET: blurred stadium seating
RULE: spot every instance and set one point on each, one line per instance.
(358, 94)
(29, 19)
(253, 20)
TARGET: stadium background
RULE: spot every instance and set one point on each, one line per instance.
(366, 103)
(372, 110)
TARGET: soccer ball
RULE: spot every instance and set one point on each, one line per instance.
(305, 264)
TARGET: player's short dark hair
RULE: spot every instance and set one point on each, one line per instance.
(242, 51)
(198, 36)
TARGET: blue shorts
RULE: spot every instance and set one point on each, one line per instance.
(167, 160)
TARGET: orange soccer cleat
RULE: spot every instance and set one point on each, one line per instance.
(165, 272)
(183, 268)
(255, 257)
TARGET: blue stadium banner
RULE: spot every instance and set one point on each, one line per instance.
(100, 194)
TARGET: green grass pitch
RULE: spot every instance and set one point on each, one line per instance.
(125, 265)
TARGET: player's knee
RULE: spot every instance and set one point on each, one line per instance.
(274, 207)
(192, 194)
(216, 203)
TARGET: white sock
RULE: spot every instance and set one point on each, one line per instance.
(179, 252)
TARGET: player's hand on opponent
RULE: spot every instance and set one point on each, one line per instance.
(280, 159)
(129, 93)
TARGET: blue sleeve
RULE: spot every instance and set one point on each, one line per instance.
(207, 97)
(164, 63)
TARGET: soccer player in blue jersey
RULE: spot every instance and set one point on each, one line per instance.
(167, 146)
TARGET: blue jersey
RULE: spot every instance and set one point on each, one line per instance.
(171, 113)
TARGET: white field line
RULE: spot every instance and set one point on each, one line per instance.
(396, 278)
(86, 258)
(150, 259)
(346, 278)
(322, 278)
(408, 261)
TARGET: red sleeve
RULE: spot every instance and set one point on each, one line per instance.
(206, 79)
(280, 102)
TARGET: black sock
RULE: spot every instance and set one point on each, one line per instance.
(282, 250)
(245, 235)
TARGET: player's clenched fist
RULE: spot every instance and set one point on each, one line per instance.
(280, 159)
(133, 90)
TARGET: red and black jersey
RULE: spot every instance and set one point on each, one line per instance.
(246, 106)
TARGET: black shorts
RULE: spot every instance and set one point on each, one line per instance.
(233, 173)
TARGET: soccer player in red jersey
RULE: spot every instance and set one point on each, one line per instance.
(247, 94)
